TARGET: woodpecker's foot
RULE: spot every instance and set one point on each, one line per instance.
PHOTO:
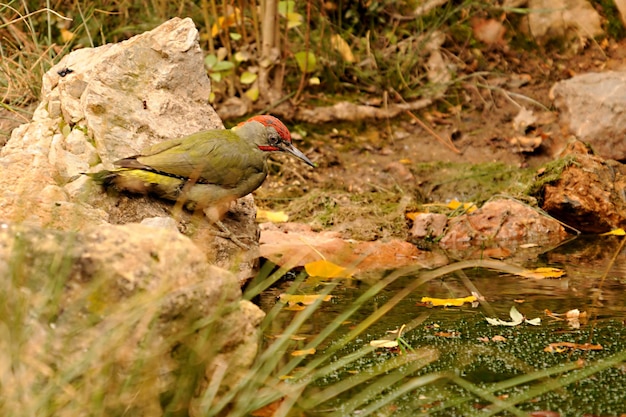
(227, 234)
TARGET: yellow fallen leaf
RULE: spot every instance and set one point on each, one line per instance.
(292, 299)
(224, 22)
(542, 273)
(467, 207)
(413, 215)
(294, 20)
(615, 232)
(303, 352)
(449, 301)
(271, 216)
(66, 35)
(454, 204)
(326, 269)
(341, 46)
(253, 94)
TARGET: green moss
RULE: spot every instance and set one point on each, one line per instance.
(613, 26)
(551, 172)
(475, 183)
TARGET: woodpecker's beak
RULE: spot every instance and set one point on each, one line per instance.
(289, 148)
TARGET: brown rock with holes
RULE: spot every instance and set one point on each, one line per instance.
(502, 223)
(428, 225)
(588, 193)
(291, 244)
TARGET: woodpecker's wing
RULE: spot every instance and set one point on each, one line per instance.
(210, 157)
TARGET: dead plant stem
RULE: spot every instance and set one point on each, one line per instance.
(447, 143)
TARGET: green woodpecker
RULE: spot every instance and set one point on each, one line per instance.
(206, 170)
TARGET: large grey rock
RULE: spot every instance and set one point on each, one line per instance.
(116, 100)
(108, 310)
(122, 297)
(592, 107)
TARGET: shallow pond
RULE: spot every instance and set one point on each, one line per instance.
(451, 361)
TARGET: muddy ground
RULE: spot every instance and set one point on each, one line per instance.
(369, 174)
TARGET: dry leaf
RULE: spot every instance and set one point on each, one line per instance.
(516, 317)
(303, 352)
(293, 299)
(615, 232)
(341, 46)
(66, 35)
(559, 347)
(384, 343)
(326, 269)
(574, 317)
(542, 273)
(448, 334)
(268, 410)
(489, 31)
(271, 216)
(449, 301)
(467, 207)
(526, 143)
(524, 119)
(413, 215)
(529, 245)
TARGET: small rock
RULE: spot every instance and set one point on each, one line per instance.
(400, 171)
(564, 20)
(160, 223)
(428, 225)
(588, 193)
(503, 223)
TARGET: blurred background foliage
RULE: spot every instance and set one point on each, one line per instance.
(262, 52)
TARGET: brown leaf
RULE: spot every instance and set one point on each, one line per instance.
(559, 347)
(448, 334)
(268, 410)
(489, 31)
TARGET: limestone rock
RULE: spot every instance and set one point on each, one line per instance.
(570, 21)
(592, 107)
(111, 311)
(117, 100)
(97, 291)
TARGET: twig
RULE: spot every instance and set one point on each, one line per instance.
(448, 143)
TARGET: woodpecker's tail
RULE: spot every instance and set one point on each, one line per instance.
(104, 177)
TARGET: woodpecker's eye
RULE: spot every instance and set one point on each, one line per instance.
(274, 139)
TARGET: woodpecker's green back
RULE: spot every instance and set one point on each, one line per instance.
(205, 169)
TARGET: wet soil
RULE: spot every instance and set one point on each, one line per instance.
(368, 174)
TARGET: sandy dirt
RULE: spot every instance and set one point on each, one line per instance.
(399, 162)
